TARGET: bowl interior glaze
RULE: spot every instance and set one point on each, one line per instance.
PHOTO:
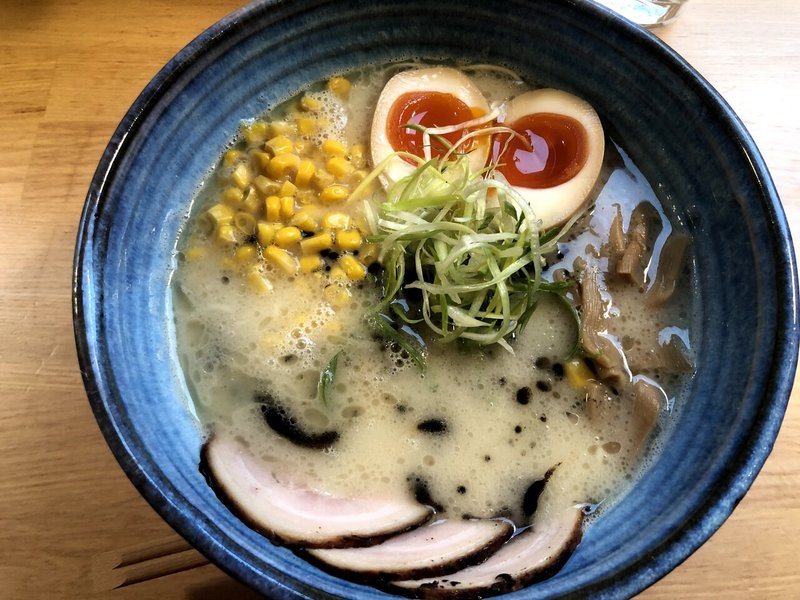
(687, 141)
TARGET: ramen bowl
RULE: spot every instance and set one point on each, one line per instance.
(703, 164)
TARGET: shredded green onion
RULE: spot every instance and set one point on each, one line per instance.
(382, 326)
(327, 377)
(473, 244)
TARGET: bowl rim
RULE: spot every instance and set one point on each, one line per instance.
(174, 508)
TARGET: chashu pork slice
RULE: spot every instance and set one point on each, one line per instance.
(531, 556)
(291, 513)
(441, 547)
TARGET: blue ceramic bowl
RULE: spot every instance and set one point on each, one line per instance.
(678, 130)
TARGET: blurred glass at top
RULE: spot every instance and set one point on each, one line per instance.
(649, 13)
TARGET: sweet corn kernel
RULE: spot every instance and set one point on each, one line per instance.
(334, 326)
(334, 147)
(266, 186)
(307, 197)
(287, 207)
(231, 157)
(282, 164)
(336, 295)
(219, 214)
(310, 263)
(265, 233)
(348, 240)
(339, 86)
(258, 281)
(252, 203)
(256, 133)
(310, 103)
(228, 235)
(241, 176)
(281, 259)
(354, 269)
(316, 243)
(358, 176)
(334, 193)
(280, 145)
(357, 156)
(272, 208)
(337, 274)
(245, 222)
(205, 224)
(270, 341)
(287, 236)
(303, 147)
(578, 373)
(245, 254)
(260, 159)
(305, 171)
(232, 196)
(322, 179)
(282, 128)
(227, 263)
(339, 167)
(287, 189)
(336, 220)
(306, 125)
(303, 287)
(195, 253)
(305, 221)
(369, 254)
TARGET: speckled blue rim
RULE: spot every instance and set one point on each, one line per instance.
(623, 575)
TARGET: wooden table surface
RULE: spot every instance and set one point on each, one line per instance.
(68, 72)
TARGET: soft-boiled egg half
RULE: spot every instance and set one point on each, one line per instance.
(559, 165)
(437, 97)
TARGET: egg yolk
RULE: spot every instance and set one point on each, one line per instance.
(558, 150)
(428, 109)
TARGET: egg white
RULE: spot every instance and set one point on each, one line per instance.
(436, 79)
(555, 205)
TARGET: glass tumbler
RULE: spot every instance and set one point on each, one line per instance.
(649, 13)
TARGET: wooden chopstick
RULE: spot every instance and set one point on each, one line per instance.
(143, 562)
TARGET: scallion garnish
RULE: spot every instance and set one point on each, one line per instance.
(383, 327)
(472, 247)
(327, 377)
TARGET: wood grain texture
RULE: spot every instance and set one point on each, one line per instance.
(69, 72)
